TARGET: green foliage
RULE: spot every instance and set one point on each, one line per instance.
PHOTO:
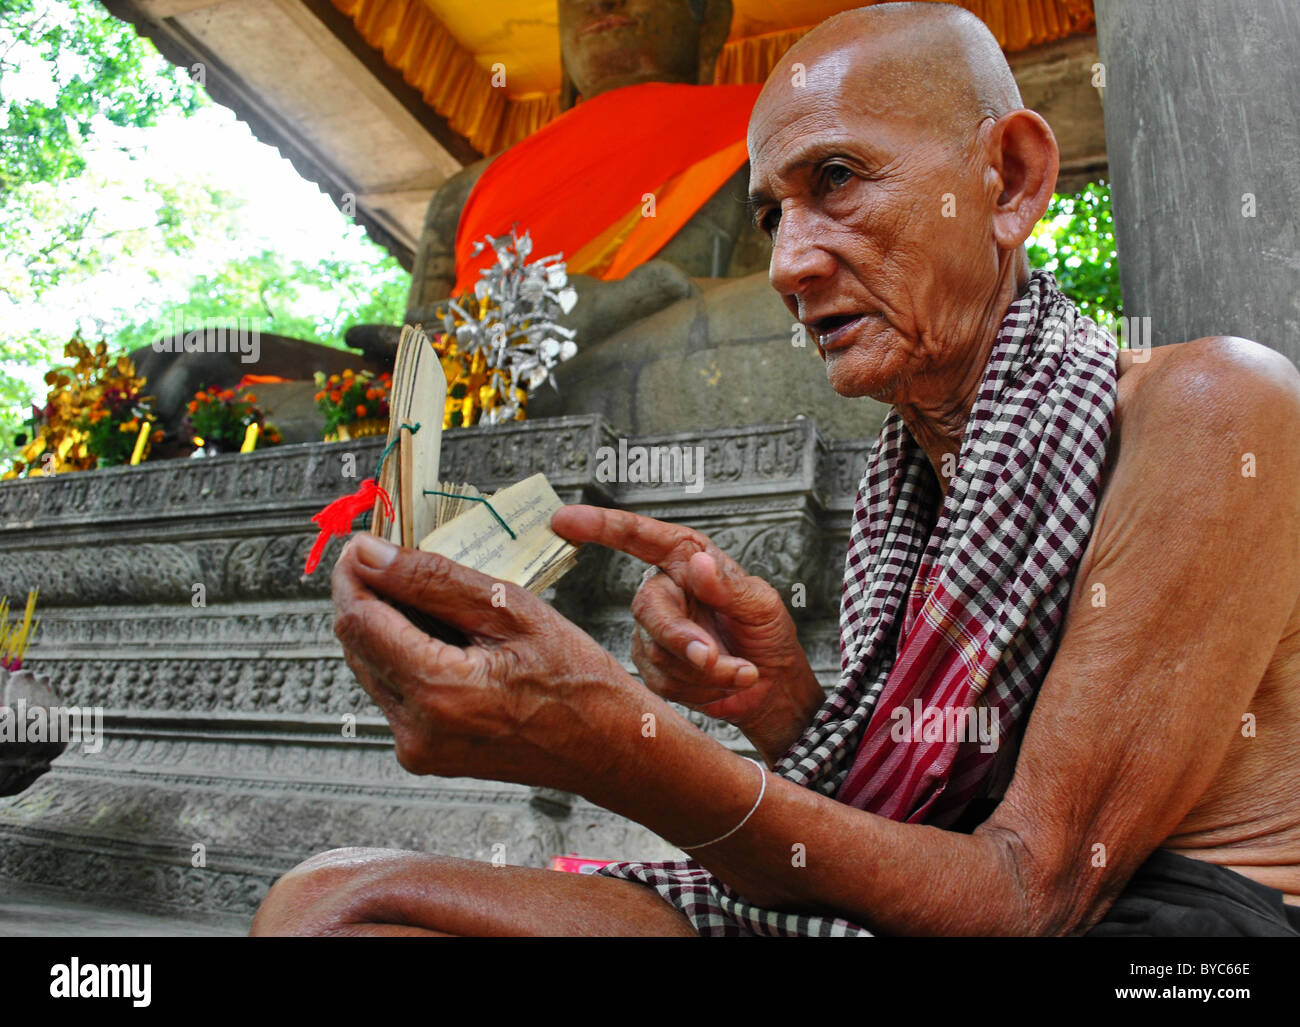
(80, 93)
(1076, 242)
(102, 74)
(16, 396)
(67, 70)
(316, 302)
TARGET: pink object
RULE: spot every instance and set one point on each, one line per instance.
(574, 864)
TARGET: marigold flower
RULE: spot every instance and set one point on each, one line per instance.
(361, 410)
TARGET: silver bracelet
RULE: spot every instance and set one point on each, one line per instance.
(761, 792)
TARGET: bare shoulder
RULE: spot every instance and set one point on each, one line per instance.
(1217, 381)
(1206, 435)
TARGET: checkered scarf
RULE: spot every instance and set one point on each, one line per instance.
(936, 623)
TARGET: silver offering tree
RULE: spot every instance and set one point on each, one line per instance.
(513, 323)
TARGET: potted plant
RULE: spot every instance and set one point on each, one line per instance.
(219, 421)
(355, 404)
(95, 415)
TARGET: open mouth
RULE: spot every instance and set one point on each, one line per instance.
(837, 327)
(611, 21)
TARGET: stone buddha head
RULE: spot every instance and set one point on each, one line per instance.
(606, 44)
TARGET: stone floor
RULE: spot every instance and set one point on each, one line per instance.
(30, 911)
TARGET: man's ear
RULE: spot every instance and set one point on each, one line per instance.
(1027, 159)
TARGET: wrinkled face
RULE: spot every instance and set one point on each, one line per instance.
(611, 43)
(853, 191)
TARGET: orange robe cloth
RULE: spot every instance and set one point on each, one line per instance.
(579, 184)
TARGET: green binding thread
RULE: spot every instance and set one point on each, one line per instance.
(412, 428)
(477, 499)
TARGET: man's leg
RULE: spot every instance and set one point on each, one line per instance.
(349, 892)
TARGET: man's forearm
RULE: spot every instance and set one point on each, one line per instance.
(802, 851)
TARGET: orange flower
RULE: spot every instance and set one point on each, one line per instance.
(372, 393)
(250, 398)
(334, 379)
(319, 396)
(335, 396)
(194, 407)
(200, 395)
(361, 410)
(157, 436)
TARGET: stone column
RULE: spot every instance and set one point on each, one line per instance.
(1202, 108)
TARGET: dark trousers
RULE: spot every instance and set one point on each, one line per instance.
(1172, 896)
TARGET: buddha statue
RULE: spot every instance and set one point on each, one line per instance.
(693, 336)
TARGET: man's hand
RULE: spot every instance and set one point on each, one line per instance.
(533, 699)
(709, 635)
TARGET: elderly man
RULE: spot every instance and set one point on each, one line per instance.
(1047, 522)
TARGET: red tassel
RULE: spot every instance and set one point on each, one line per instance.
(337, 518)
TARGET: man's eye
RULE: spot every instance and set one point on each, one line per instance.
(837, 174)
(769, 220)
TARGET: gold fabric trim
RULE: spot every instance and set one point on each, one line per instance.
(415, 43)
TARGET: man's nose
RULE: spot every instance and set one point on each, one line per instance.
(799, 257)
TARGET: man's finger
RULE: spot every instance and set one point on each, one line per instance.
(669, 678)
(705, 572)
(686, 651)
(380, 636)
(665, 545)
(451, 592)
(662, 611)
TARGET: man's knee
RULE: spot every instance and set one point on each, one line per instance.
(326, 894)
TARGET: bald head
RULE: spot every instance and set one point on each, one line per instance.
(933, 61)
(898, 175)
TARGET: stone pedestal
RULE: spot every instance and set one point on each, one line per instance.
(237, 743)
